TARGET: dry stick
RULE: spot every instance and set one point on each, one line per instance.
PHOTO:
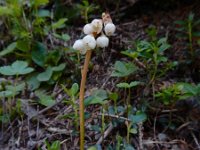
(81, 98)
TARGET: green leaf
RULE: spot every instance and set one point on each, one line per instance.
(59, 67)
(44, 13)
(33, 82)
(133, 131)
(113, 96)
(64, 37)
(59, 24)
(180, 22)
(127, 85)
(135, 83)
(17, 68)
(123, 69)
(9, 49)
(16, 89)
(4, 94)
(45, 76)
(95, 147)
(139, 117)
(97, 97)
(23, 45)
(37, 3)
(44, 99)
(5, 11)
(74, 89)
(38, 54)
(123, 85)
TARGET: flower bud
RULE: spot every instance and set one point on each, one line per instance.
(90, 42)
(97, 25)
(109, 29)
(80, 45)
(102, 41)
(88, 29)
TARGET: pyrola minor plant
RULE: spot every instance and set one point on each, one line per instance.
(96, 36)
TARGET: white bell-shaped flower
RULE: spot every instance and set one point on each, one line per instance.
(90, 42)
(88, 29)
(80, 46)
(109, 29)
(97, 25)
(102, 41)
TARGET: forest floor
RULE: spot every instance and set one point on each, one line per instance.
(168, 127)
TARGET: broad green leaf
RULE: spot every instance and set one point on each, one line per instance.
(53, 58)
(38, 54)
(4, 11)
(56, 145)
(44, 13)
(59, 67)
(46, 75)
(9, 49)
(113, 96)
(139, 117)
(133, 131)
(123, 69)
(180, 22)
(97, 97)
(17, 88)
(23, 45)
(123, 85)
(44, 99)
(59, 24)
(4, 94)
(33, 82)
(74, 89)
(135, 83)
(17, 68)
(64, 37)
(95, 147)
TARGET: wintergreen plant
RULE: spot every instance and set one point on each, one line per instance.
(85, 46)
(151, 53)
(15, 69)
(55, 145)
(178, 91)
(127, 103)
(187, 29)
(73, 94)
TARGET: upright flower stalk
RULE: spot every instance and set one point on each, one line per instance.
(99, 29)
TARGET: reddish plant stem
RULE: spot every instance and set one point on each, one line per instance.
(81, 98)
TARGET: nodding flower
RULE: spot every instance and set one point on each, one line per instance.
(88, 29)
(80, 46)
(109, 29)
(102, 41)
(97, 25)
(92, 31)
(90, 42)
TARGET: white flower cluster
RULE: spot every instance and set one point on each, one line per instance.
(98, 29)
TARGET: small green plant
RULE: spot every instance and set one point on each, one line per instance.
(178, 91)
(9, 90)
(15, 69)
(151, 54)
(127, 102)
(86, 8)
(187, 29)
(55, 145)
(73, 94)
